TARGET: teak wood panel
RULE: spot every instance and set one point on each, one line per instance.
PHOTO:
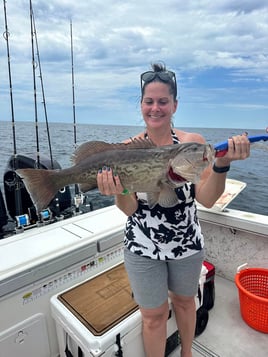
(101, 302)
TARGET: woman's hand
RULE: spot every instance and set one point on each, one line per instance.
(238, 149)
(108, 183)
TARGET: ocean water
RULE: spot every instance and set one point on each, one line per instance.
(253, 171)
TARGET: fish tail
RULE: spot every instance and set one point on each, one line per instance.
(41, 186)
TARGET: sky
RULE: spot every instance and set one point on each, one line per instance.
(218, 50)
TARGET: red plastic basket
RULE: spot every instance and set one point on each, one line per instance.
(252, 284)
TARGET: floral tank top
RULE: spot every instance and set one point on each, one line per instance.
(165, 233)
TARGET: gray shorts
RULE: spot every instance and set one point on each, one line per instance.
(151, 279)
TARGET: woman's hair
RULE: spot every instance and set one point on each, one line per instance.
(158, 67)
(159, 73)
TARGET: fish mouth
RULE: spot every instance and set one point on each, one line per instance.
(175, 177)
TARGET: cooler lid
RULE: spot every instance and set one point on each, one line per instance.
(102, 302)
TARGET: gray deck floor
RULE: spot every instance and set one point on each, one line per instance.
(227, 335)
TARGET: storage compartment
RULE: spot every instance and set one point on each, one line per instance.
(100, 318)
(25, 339)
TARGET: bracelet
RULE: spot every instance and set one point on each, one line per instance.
(220, 170)
(125, 192)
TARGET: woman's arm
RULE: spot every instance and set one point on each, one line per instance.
(128, 203)
(212, 184)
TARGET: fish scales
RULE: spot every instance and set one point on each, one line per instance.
(141, 165)
(136, 168)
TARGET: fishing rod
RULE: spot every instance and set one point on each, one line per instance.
(42, 89)
(222, 148)
(6, 35)
(34, 66)
(46, 213)
(15, 180)
(73, 94)
(78, 199)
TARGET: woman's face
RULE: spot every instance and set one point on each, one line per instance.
(157, 105)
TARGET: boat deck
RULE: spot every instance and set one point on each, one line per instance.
(227, 335)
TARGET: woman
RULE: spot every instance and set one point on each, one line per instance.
(164, 246)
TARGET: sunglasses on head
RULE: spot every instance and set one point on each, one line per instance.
(164, 76)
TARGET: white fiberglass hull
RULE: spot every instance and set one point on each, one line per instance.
(45, 261)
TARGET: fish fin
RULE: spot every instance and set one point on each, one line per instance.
(152, 199)
(89, 148)
(140, 143)
(167, 197)
(40, 186)
(92, 147)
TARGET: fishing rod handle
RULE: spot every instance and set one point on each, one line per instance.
(222, 148)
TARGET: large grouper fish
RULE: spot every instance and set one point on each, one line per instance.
(140, 164)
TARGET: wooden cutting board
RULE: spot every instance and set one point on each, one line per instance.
(101, 302)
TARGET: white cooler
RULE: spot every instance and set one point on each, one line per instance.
(100, 318)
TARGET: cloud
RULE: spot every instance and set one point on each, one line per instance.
(115, 40)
